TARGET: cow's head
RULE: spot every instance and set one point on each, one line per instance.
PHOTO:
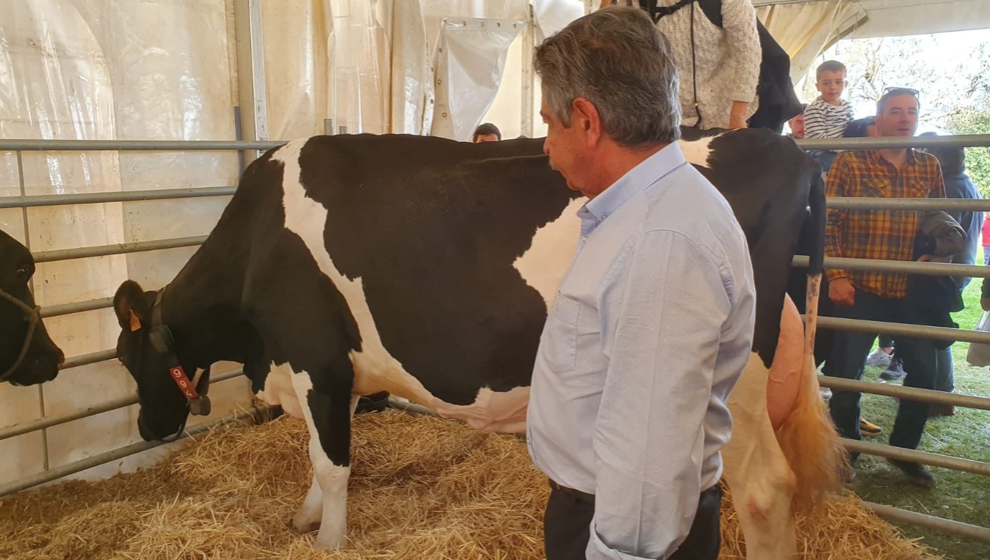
(146, 349)
(27, 354)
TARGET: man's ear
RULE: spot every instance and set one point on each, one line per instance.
(585, 115)
(131, 307)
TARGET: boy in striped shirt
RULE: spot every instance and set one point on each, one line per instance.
(827, 116)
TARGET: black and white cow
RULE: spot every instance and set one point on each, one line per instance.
(27, 353)
(349, 265)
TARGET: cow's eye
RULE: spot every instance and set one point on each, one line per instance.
(24, 272)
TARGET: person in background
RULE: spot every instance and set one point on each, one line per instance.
(653, 323)
(796, 124)
(880, 296)
(829, 114)
(958, 184)
(718, 67)
(486, 132)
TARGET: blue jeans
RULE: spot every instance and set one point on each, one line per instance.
(848, 359)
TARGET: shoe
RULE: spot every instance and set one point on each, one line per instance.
(878, 358)
(895, 371)
(916, 473)
(937, 410)
(868, 428)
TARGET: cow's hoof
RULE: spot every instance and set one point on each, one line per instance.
(328, 542)
(305, 525)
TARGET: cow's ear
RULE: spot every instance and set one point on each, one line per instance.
(131, 306)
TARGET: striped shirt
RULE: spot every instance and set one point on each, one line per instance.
(824, 120)
(878, 234)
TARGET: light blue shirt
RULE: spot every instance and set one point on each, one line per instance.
(649, 331)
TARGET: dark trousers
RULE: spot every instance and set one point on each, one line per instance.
(849, 357)
(567, 527)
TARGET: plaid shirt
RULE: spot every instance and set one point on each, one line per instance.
(878, 234)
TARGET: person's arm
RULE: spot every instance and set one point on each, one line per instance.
(835, 185)
(744, 55)
(662, 319)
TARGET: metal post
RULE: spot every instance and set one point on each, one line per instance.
(253, 99)
(328, 127)
(342, 129)
(930, 522)
(528, 93)
(27, 243)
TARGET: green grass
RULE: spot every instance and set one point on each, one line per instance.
(959, 496)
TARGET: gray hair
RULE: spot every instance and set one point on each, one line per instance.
(618, 60)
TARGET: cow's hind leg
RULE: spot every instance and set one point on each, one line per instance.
(759, 477)
(328, 409)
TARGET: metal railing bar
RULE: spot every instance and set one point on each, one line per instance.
(122, 402)
(87, 359)
(118, 249)
(254, 412)
(135, 145)
(901, 392)
(904, 267)
(915, 456)
(75, 307)
(930, 522)
(121, 196)
(904, 329)
(964, 140)
(870, 203)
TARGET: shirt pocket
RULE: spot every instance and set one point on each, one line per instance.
(560, 337)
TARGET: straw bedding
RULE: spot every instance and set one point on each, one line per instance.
(420, 488)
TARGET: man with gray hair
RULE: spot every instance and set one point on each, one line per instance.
(653, 323)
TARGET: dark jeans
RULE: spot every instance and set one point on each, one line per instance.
(849, 357)
(945, 379)
(567, 527)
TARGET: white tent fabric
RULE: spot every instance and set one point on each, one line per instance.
(891, 18)
(805, 30)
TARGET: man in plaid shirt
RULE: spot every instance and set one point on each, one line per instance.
(880, 234)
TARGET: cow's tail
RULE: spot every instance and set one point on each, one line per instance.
(808, 437)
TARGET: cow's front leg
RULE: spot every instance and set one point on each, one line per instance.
(328, 409)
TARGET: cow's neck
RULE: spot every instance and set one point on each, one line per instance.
(202, 306)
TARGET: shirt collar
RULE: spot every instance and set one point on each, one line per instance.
(639, 178)
(911, 155)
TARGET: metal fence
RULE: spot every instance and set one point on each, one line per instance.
(895, 329)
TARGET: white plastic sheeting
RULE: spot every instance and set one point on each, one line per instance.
(107, 69)
(467, 75)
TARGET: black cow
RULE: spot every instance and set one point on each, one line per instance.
(27, 353)
(349, 265)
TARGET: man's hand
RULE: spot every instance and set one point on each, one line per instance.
(841, 291)
(931, 258)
